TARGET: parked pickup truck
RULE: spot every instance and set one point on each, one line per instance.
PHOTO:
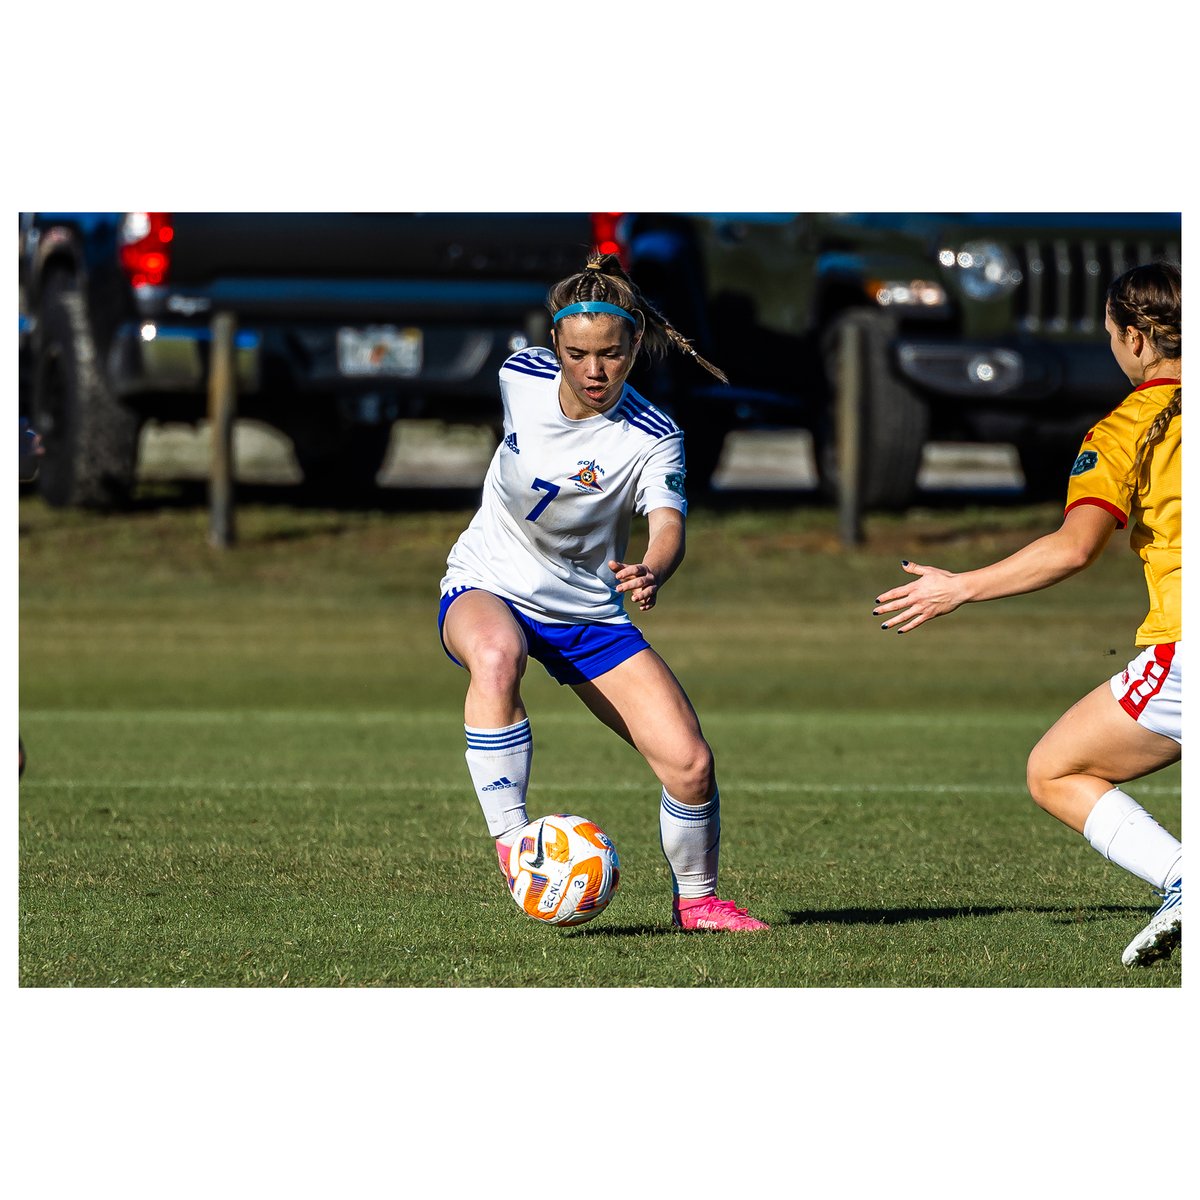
(345, 322)
(983, 327)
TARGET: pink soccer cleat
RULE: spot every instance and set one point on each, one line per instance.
(707, 912)
(502, 854)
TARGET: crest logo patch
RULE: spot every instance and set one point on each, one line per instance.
(674, 483)
(1085, 462)
(587, 478)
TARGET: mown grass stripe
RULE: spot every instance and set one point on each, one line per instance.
(440, 716)
(417, 785)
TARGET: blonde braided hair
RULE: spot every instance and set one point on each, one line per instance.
(603, 278)
(1156, 430)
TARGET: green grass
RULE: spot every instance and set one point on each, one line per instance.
(245, 767)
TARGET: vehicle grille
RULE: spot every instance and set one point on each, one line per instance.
(1063, 282)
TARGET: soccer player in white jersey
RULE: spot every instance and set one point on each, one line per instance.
(541, 571)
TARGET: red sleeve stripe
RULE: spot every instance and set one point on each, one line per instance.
(1121, 517)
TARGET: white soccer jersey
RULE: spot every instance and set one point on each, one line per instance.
(559, 497)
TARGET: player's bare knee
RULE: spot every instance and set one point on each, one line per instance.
(692, 778)
(1041, 774)
(497, 666)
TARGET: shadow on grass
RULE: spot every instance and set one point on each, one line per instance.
(1064, 914)
(622, 931)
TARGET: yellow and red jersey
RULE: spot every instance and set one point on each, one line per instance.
(1152, 505)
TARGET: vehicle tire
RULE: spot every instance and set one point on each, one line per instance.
(703, 443)
(705, 424)
(1046, 462)
(895, 420)
(90, 436)
(338, 457)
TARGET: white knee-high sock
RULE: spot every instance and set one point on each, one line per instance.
(1125, 833)
(499, 762)
(691, 842)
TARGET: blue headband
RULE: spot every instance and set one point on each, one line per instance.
(594, 306)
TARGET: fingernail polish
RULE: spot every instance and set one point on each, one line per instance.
(904, 562)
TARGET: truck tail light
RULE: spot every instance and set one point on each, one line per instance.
(606, 234)
(145, 247)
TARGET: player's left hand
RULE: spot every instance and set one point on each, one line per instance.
(931, 594)
(638, 580)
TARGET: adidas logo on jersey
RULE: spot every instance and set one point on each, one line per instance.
(511, 443)
(500, 784)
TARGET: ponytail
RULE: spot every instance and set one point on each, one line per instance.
(604, 279)
(1155, 432)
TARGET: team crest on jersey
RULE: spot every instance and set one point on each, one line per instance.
(1085, 462)
(587, 478)
(674, 483)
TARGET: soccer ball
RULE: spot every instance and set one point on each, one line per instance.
(562, 870)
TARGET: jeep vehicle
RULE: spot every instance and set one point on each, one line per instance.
(980, 327)
(345, 322)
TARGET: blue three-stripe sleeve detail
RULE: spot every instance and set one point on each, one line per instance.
(530, 371)
(654, 417)
(648, 419)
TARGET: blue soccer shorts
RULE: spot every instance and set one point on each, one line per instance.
(570, 653)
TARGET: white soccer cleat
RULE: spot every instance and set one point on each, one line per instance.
(1164, 933)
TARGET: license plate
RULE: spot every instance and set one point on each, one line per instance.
(379, 350)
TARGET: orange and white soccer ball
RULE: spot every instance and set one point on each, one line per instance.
(562, 870)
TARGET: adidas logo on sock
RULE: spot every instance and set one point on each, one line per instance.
(500, 784)
(511, 443)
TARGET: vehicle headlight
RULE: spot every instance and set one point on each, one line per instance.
(910, 293)
(985, 269)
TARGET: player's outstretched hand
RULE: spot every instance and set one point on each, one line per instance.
(932, 594)
(638, 580)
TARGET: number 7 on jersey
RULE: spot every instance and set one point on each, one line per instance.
(551, 490)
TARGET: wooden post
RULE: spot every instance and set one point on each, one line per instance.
(222, 410)
(848, 426)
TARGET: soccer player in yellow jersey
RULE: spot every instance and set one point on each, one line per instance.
(1127, 475)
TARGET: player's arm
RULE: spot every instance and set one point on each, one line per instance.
(1069, 549)
(664, 552)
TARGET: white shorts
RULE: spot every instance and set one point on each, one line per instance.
(1150, 689)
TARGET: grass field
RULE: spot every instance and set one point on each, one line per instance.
(246, 767)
